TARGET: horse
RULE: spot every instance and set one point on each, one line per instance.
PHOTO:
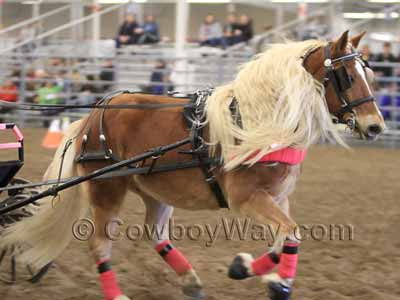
(258, 127)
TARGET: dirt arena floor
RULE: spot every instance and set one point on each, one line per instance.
(337, 187)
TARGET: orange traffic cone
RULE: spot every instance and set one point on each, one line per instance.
(54, 135)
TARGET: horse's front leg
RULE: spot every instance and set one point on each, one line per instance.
(262, 207)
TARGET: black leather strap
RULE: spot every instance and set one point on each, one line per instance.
(349, 107)
(195, 117)
(164, 251)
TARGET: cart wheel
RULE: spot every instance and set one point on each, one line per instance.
(11, 271)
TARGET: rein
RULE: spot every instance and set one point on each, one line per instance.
(341, 82)
(41, 107)
(97, 105)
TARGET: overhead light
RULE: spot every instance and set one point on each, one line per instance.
(383, 1)
(120, 1)
(299, 1)
(382, 36)
(31, 2)
(112, 1)
(370, 15)
(210, 1)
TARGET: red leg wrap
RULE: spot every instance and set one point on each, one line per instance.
(264, 264)
(173, 257)
(109, 284)
(288, 262)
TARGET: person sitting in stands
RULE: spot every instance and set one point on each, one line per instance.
(49, 94)
(387, 57)
(126, 33)
(9, 93)
(85, 97)
(244, 29)
(160, 79)
(150, 33)
(366, 53)
(107, 74)
(210, 32)
(229, 31)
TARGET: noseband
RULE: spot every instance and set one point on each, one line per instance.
(341, 82)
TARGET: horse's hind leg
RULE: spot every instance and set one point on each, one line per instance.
(157, 216)
(106, 200)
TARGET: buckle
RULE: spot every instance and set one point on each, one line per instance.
(328, 63)
(210, 179)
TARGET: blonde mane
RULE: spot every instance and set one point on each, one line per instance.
(280, 105)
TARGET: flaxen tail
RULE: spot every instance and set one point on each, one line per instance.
(45, 235)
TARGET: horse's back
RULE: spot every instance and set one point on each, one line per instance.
(132, 131)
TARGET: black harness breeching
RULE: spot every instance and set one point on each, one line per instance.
(341, 81)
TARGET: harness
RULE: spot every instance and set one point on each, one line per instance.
(194, 116)
(341, 81)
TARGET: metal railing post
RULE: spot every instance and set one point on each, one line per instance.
(22, 93)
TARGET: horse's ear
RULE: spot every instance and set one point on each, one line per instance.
(341, 43)
(355, 40)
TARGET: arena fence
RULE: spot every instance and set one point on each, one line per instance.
(83, 79)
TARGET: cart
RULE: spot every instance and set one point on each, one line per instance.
(10, 270)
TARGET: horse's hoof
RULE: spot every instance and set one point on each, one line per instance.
(239, 269)
(122, 297)
(193, 293)
(278, 291)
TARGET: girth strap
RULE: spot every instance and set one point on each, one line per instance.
(212, 182)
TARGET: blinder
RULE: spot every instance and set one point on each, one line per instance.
(343, 79)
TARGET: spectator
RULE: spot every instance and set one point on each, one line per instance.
(150, 33)
(160, 79)
(366, 53)
(107, 74)
(126, 33)
(49, 94)
(229, 31)
(244, 29)
(86, 97)
(76, 79)
(387, 57)
(210, 32)
(9, 91)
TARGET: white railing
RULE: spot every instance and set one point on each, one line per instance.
(82, 80)
(283, 32)
(61, 28)
(34, 19)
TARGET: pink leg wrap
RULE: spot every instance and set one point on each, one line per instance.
(108, 282)
(288, 262)
(265, 263)
(173, 257)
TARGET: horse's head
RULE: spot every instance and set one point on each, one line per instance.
(348, 82)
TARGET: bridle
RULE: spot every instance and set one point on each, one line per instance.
(341, 81)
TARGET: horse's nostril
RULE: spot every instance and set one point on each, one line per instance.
(374, 129)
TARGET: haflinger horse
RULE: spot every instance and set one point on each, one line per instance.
(283, 101)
